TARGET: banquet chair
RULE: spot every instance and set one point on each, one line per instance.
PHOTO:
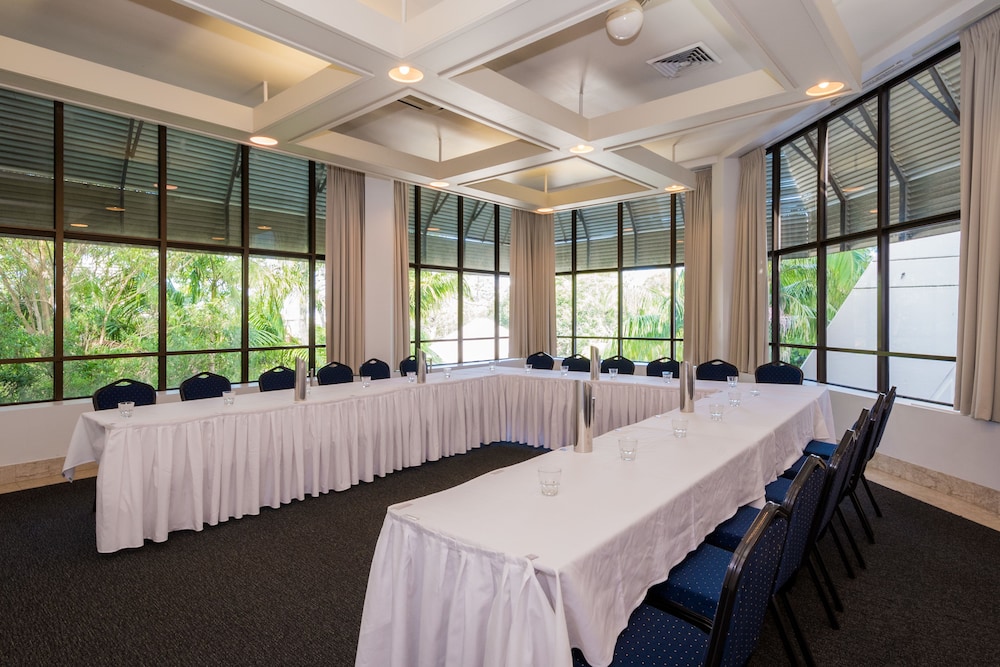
(376, 369)
(778, 372)
(729, 636)
(624, 366)
(540, 361)
(335, 373)
(657, 367)
(577, 362)
(890, 400)
(279, 377)
(716, 369)
(204, 385)
(110, 395)
(408, 365)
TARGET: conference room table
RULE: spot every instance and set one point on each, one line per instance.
(494, 573)
(184, 465)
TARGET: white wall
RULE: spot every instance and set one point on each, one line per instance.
(379, 223)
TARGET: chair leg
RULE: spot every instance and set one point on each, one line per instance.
(850, 540)
(796, 630)
(789, 651)
(865, 525)
(868, 490)
(840, 550)
(830, 616)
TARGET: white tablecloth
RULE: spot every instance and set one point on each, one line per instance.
(176, 466)
(493, 573)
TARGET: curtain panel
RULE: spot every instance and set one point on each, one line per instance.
(345, 295)
(401, 272)
(748, 329)
(698, 269)
(977, 368)
(532, 284)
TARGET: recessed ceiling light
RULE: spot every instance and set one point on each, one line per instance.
(825, 88)
(170, 186)
(434, 229)
(263, 228)
(405, 74)
(78, 224)
(261, 140)
(439, 184)
(544, 209)
(114, 208)
(580, 149)
(676, 187)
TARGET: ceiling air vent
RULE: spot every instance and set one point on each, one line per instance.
(684, 61)
(420, 105)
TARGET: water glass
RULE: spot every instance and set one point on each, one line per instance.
(493, 367)
(228, 397)
(734, 398)
(411, 376)
(733, 380)
(527, 368)
(613, 372)
(366, 381)
(563, 370)
(125, 408)
(548, 480)
(715, 411)
(755, 390)
(628, 448)
(668, 376)
(680, 425)
(447, 372)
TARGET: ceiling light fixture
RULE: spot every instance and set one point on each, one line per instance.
(218, 238)
(544, 210)
(264, 228)
(114, 208)
(261, 140)
(624, 21)
(405, 74)
(676, 187)
(580, 149)
(78, 224)
(439, 184)
(434, 229)
(825, 88)
(170, 186)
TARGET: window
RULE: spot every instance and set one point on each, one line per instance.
(864, 239)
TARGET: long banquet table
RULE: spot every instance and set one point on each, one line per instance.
(177, 466)
(492, 572)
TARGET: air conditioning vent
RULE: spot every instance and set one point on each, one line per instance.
(420, 105)
(684, 61)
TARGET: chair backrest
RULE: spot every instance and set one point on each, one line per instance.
(335, 373)
(624, 366)
(204, 385)
(541, 361)
(408, 365)
(279, 377)
(577, 362)
(836, 476)
(890, 400)
(801, 502)
(747, 589)
(119, 391)
(656, 367)
(778, 372)
(867, 434)
(376, 369)
(716, 369)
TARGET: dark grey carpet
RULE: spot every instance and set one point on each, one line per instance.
(287, 587)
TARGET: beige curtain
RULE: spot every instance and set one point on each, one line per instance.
(698, 269)
(345, 295)
(401, 272)
(532, 284)
(748, 333)
(978, 366)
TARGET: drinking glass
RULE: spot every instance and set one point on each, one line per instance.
(125, 408)
(715, 410)
(447, 372)
(228, 397)
(548, 480)
(733, 380)
(613, 372)
(754, 390)
(527, 368)
(493, 367)
(366, 381)
(411, 376)
(628, 448)
(680, 425)
(734, 398)
(668, 376)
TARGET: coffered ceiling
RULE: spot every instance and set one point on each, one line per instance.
(509, 86)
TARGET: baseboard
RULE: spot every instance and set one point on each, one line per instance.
(23, 472)
(960, 489)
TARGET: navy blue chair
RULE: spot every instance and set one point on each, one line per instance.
(376, 369)
(716, 369)
(778, 372)
(408, 365)
(204, 385)
(876, 440)
(335, 373)
(577, 362)
(540, 361)
(727, 637)
(624, 366)
(120, 391)
(656, 367)
(279, 377)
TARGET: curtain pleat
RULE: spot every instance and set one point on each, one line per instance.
(345, 296)
(977, 368)
(401, 273)
(748, 332)
(698, 269)
(532, 284)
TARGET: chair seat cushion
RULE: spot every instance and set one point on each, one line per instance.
(728, 534)
(777, 490)
(696, 582)
(793, 469)
(654, 637)
(824, 450)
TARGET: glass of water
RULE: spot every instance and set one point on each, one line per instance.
(680, 425)
(715, 411)
(548, 480)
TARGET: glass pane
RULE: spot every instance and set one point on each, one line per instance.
(479, 229)
(182, 366)
(264, 360)
(21, 383)
(803, 358)
(438, 224)
(646, 308)
(278, 298)
(26, 149)
(479, 307)
(564, 306)
(563, 222)
(442, 352)
(769, 199)
(797, 298)
(110, 174)
(924, 141)
(859, 371)
(597, 305)
(413, 305)
(439, 306)
(504, 314)
(923, 290)
(923, 379)
(597, 237)
(84, 377)
(679, 227)
(112, 294)
(645, 350)
(797, 206)
(852, 295)
(564, 347)
(279, 201)
(411, 215)
(608, 347)
(481, 349)
(852, 171)
(679, 305)
(505, 239)
(26, 302)
(320, 315)
(321, 175)
(646, 231)
(204, 303)
(504, 344)
(204, 189)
